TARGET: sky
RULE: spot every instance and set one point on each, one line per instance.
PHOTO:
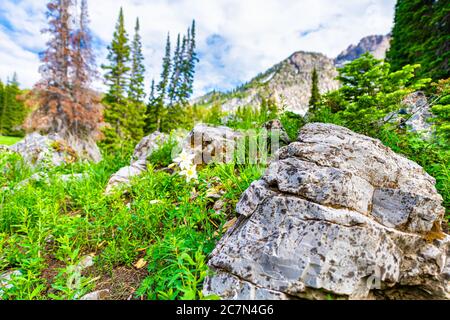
(236, 39)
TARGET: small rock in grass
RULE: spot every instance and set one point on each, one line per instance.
(97, 295)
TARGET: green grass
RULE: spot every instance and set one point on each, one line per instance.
(152, 236)
(47, 227)
(9, 141)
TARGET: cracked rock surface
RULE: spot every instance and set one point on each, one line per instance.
(336, 214)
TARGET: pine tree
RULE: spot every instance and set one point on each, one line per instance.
(420, 36)
(437, 58)
(136, 91)
(2, 107)
(151, 115)
(16, 114)
(188, 66)
(67, 106)
(173, 90)
(83, 59)
(12, 110)
(117, 72)
(56, 58)
(315, 93)
(120, 112)
(158, 107)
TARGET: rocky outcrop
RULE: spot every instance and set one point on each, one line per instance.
(415, 115)
(39, 150)
(377, 45)
(336, 214)
(125, 175)
(86, 149)
(211, 144)
(206, 143)
(52, 150)
(138, 164)
(148, 145)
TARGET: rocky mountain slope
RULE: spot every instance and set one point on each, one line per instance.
(289, 82)
(377, 45)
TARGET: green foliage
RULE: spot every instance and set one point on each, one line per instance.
(441, 109)
(8, 141)
(163, 156)
(420, 36)
(124, 115)
(13, 169)
(214, 115)
(12, 110)
(248, 117)
(370, 90)
(48, 227)
(177, 258)
(315, 93)
(169, 108)
(292, 123)
(136, 90)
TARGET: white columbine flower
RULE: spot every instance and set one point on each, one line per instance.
(184, 160)
(190, 173)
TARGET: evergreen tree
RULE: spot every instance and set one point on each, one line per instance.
(188, 66)
(66, 105)
(369, 91)
(165, 74)
(117, 72)
(420, 36)
(437, 57)
(2, 108)
(158, 107)
(152, 95)
(56, 58)
(441, 109)
(173, 90)
(12, 110)
(16, 107)
(125, 120)
(83, 59)
(315, 93)
(151, 114)
(136, 90)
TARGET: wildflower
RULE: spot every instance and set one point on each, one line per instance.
(190, 173)
(184, 160)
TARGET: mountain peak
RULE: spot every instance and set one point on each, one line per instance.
(377, 45)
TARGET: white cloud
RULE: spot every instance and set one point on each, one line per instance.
(251, 35)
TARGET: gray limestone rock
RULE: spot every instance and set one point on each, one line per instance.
(338, 213)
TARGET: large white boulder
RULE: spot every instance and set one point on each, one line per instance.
(53, 150)
(338, 213)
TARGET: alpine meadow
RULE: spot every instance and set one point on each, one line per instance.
(163, 150)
